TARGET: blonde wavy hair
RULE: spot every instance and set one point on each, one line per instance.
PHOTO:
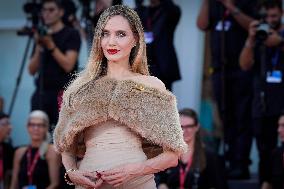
(97, 63)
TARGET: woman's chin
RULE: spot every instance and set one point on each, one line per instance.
(187, 140)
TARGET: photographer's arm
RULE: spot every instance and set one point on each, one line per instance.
(66, 60)
(247, 55)
(243, 19)
(35, 60)
(203, 16)
(274, 39)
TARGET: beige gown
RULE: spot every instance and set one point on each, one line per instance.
(111, 144)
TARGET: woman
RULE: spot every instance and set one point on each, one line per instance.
(6, 151)
(36, 165)
(113, 108)
(198, 168)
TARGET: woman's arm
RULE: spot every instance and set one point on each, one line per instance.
(16, 167)
(159, 163)
(121, 174)
(53, 161)
(69, 161)
(78, 177)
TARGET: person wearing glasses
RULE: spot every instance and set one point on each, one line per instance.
(36, 166)
(276, 167)
(6, 151)
(198, 167)
(54, 59)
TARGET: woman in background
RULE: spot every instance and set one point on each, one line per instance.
(199, 167)
(6, 150)
(36, 166)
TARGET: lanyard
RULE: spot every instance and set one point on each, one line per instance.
(31, 164)
(275, 58)
(183, 173)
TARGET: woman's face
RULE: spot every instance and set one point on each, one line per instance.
(117, 39)
(37, 129)
(5, 128)
(281, 128)
(189, 128)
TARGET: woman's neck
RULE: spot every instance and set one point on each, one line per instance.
(36, 143)
(119, 69)
(190, 151)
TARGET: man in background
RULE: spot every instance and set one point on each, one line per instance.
(54, 60)
(264, 56)
(160, 20)
(227, 22)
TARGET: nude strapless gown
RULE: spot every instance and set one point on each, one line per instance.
(111, 144)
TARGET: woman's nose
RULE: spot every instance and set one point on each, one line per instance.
(112, 40)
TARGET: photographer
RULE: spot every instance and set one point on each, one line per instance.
(227, 22)
(265, 58)
(54, 59)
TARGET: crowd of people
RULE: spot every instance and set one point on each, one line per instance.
(121, 105)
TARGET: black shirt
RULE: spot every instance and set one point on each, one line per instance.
(213, 176)
(54, 76)
(40, 175)
(277, 168)
(235, 35)
(7, 156)
(273, 92)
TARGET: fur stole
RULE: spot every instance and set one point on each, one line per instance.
(148, 111)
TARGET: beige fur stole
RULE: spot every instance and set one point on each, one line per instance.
(148, 111)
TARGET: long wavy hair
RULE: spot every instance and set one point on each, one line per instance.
(199, 156)
(97, 63)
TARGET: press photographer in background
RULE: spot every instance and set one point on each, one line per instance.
(54, 60)
(263, 54)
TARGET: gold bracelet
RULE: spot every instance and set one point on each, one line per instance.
(66, 177)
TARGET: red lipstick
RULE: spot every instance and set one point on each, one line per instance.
(112, 51)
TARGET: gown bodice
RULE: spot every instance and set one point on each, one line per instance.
(111, 144)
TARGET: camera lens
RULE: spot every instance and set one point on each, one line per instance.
(262, 31)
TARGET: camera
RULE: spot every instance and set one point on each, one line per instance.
(262, 31)
(32, 10)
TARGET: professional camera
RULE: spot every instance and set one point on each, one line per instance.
(262, 31)
(33, 11)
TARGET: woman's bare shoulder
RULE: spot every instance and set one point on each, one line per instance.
(51, 153)
(20, 152)
(152, 81)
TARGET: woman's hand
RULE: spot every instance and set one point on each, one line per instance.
(121, 174)
(163, 186)
(85, 178)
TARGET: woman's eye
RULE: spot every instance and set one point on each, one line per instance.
(121, 34)
(104, 34)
